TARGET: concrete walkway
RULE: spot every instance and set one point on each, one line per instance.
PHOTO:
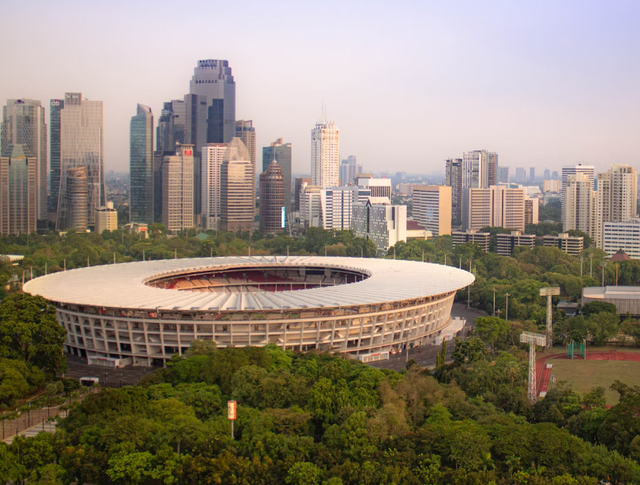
(34, 430)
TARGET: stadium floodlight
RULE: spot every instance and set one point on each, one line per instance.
(533, 339)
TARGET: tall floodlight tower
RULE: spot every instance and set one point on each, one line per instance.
(549, 292)
(533, 339)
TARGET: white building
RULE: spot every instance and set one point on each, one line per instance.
(551, 186)
(378, 187)
(622, 235)
(588, 170)
(311, 206)
(379, 221)
(325, 155)
(106, 218)
(577, 204)
(432, 208)
(617, 198)
(495, 206)
(337, 205)
(212, 158)
(177, 189)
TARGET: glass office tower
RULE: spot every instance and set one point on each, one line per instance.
(81, 145)
(23, 123)
(141, 199)
(281, 153)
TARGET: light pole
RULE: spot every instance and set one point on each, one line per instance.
(494, 301)
(591, 264)
(581, 261)
(604, 265)
(507, 309)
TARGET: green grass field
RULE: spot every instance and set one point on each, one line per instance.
(584, 375)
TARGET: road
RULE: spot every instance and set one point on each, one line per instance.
(425, 356)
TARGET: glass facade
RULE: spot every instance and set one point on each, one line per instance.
(281, 153)
(141, 203)
(23, 122)
(81, 145)
(18, 190)
(54, 159)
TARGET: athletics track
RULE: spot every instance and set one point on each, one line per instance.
(543, 374)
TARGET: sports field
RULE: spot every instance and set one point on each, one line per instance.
(584, 375)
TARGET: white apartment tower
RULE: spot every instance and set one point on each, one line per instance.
(325, 155)
(212, 158)
(588, 170)
(177, 189)
(577, 206)
(617, 198)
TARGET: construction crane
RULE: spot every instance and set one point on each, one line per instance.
(533, 339)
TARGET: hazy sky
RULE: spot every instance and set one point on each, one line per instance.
(409, 83)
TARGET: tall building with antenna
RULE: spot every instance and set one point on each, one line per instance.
(325, 154)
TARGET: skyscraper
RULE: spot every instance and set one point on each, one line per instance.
(577, 207)
(503, 175)
(301, 183)
(213, 80)
(271, 199)
(81, 136)
(521, 175)
(495, 206)
(18, 190)
(547, 174)
(23, 122)
(617, 198)
(57, 105)
(453, 179)
(76, 198)
(141, 198)
(212, 158)
(237, 203)
(532, 175)
(348, 170)
(479, 169)
(325, 154)
(177, 189)
(588, 170)
(281, 153)
(247, 133)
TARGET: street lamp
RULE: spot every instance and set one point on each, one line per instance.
(494, 301)
(507, 309)
(581, 261)
(604, 265)
(591, 264)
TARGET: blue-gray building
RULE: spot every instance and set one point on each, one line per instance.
(141, 193)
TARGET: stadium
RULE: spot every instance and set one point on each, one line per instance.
(142, 313)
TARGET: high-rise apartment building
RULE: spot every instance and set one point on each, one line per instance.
(272, 219)
(453, 179)
(325, 154)
(300, 184)
(577, 204)
(237, 191)
(432, 208)
(177, 189)
(588, 170)
(23, 123)
(531, 210)
(551, 186)
(521, 175)
(617, 198)
(212, 158)
(311, 205)
(532, 175)
(479, 169)
(281, 153)
(18, 190)
(141, 176)
(80, 134)
(337, 205)
(495, 206)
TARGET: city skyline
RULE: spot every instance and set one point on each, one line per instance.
(564, 98)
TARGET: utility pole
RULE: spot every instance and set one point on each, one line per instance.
(494, 301)
(581, 261)
(532, 339)
(507, 309)
(460, 266)
(445, 259)
(549, 293)
(604, 264)
(591, 265)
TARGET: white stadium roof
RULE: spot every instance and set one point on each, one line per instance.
(123, 285)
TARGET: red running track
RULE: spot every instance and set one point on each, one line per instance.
(544, 375)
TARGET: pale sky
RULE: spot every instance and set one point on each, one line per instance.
(409, 83)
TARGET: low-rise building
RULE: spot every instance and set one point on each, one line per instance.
(416, 231)
(507, 242)
(622, 235)
(106, 218)
(569, 244)
(482, 239)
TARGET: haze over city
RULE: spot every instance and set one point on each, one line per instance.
(409, 84)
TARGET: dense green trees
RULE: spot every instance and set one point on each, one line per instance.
(321, 419)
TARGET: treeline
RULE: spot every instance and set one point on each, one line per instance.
(312, 419)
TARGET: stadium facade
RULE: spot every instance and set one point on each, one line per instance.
(145, 312)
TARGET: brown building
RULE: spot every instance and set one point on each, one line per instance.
(271, 199)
